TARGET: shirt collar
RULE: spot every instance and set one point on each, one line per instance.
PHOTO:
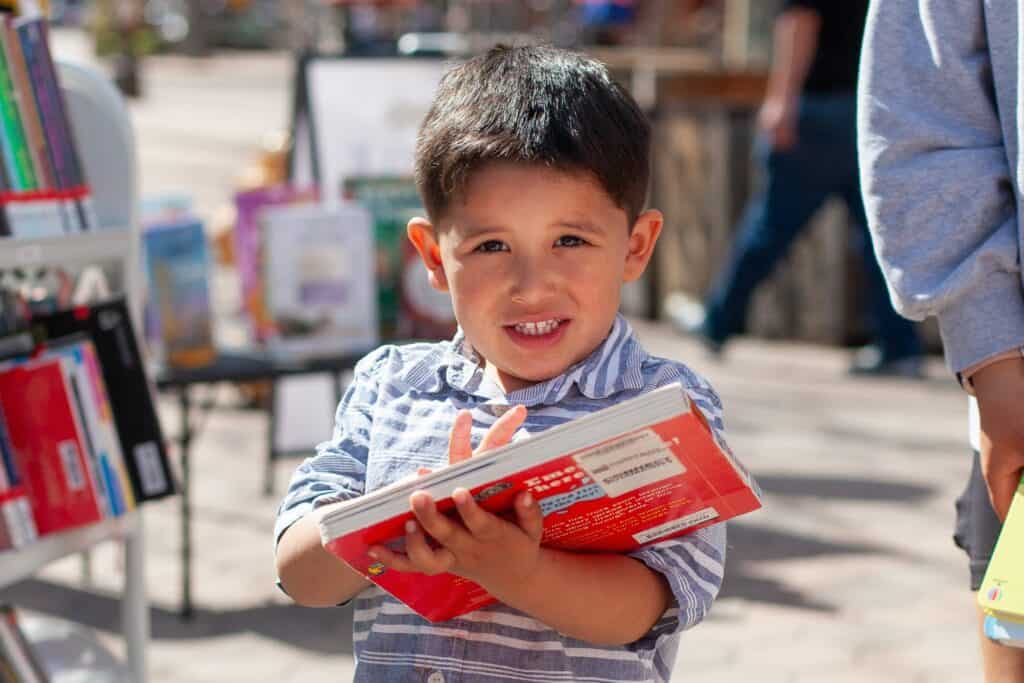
(614, 366)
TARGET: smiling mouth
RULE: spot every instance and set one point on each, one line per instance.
(539, 328)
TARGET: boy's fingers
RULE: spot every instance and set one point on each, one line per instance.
(529, 516)
(391, 559)
(442, 529)
(481, 524)
(503, 429)
(459, 446)
(422, 557)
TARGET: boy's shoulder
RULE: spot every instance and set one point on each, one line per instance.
(414, 363)
(660, 371)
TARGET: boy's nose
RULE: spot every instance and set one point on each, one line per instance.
(533, 280)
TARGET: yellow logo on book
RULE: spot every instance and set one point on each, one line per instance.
(376, 569)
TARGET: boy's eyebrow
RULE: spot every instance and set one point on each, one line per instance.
(582, 226)
(469, 231)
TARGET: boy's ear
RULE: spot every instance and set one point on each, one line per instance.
(641, 243)
(421, 234)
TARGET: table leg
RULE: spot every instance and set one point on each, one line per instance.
(185, 440)
(268, 476)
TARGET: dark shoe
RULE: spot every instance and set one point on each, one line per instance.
(687, 316)
(868, 361)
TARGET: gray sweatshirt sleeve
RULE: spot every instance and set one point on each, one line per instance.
(935, 175)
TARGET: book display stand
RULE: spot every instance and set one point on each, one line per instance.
(103, 130)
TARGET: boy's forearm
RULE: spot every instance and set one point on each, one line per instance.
(309, 574)
(601, 598)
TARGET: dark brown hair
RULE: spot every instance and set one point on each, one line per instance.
(534, 105)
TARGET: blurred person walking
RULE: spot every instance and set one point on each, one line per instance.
(940, 118)
(807, 147)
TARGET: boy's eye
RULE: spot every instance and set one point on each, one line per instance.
(570, 241)
(491, 246)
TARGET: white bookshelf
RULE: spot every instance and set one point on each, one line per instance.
(105, 143)
(96, 247)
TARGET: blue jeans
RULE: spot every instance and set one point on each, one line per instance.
(798, 180)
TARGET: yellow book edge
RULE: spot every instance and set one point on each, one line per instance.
(1002, 591)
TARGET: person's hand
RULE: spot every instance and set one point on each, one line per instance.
(484, 547)
(777, 120)
(1000, 391)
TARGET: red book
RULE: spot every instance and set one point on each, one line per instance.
(46, 437)
(636, 473)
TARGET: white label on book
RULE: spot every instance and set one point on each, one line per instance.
(676, 525)
(72, 464)
(147, 464)
(629, 462)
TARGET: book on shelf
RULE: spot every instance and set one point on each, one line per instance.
(249, 241)
(178, 278)
(639, 472)
(108, 325)
(409, 307)
(1002, 590)
(46, 193)
(320, 285)
(46, 437)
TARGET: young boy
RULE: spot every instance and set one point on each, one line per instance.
(533, 167)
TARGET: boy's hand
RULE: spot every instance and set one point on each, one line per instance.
(493, 552)
(484, 548)
(1000, 391)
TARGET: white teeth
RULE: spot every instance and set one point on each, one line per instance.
(537, 329)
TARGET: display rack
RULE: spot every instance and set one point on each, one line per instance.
(105, 143)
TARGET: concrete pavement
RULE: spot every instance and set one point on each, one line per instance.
(848, 574)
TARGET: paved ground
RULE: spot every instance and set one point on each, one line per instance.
(848, 574)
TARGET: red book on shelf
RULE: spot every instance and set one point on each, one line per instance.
(636, 473)
(46, 438)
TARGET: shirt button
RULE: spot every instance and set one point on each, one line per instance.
(436, 677)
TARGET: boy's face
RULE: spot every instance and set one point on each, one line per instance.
(534, 259)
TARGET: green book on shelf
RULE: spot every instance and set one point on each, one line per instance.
(17, 157)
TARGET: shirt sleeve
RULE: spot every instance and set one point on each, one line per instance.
(338, 470)
(694, 566)
(935, 176)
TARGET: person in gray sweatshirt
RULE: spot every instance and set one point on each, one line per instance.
(940, 123)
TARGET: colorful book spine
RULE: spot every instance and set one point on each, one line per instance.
(33, 45)
(15, 146)
(26, 104)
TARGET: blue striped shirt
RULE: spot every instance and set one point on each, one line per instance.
(396, 417)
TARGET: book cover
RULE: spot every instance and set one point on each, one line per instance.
(642, 471)
(48, 446)
(90, 401)
(409, 307)
(178, 276)
(1002, 590)
(249, 249)
(391, 200)
(109, 326)
(321, 293)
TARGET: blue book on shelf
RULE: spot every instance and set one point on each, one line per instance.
(178, 274)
